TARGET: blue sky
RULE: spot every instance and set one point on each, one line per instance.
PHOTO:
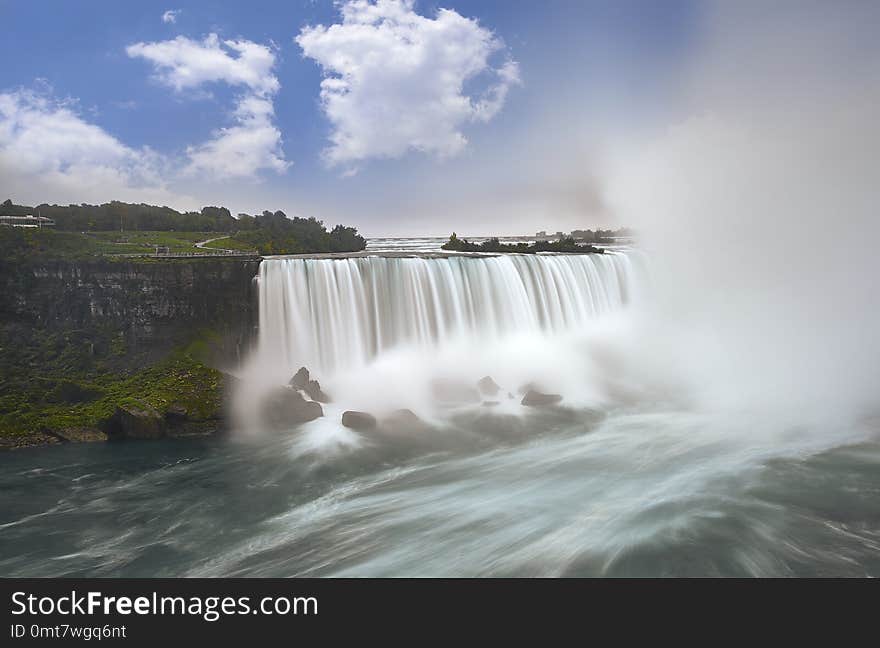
(481, 116)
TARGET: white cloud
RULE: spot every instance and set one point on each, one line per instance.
(395, 80)
(170, 16)
(254, 142)
(183, 63)
(49, 152)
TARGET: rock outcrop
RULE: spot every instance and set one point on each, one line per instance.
(176, 414)
(135, 421)
(149, 307)
(535, 398)
(488, 386)
(312, 388)
(284, 407)
(80, 434)
(358, 420)
(84, 328)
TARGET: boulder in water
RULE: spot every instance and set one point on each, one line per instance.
(284, 406)
(301, 381)
(135, 421)
(358, 420)
(447, 391)
(300, 378)
(535, 398)
(488, 386)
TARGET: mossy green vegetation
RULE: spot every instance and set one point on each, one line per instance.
(81, 337)
(493, 245)
(57, 383)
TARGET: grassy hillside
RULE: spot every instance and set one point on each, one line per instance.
(22, 244)
(231, 243)
(110, 242)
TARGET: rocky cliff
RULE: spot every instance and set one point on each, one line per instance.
(152, 305)
(81, 337)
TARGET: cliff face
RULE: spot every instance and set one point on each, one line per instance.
(151, 306)
(82, 341)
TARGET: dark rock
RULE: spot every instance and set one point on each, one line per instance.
(301, 381)
(36, 438)
(358, 420)
(534, 398)
(447, 391)
(180, 422)
(230, 382)
(490, 403)
(283, 407)
(300, 378)
(80, 434)
(135, 421)
(313, 389)
(149, 308)
(176, 414)
(488, 386)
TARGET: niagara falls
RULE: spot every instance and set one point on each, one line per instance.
(380, 297)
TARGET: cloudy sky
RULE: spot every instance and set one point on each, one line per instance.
(400, 117)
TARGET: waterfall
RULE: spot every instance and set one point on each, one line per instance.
(331, 314)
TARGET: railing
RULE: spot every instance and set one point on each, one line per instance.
(183, 255)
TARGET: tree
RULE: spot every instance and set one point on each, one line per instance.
(346, 239)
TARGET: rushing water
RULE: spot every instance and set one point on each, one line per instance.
(334, 313)
(629, 475)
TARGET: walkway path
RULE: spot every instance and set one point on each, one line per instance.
(202, 244)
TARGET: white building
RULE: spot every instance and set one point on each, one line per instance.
(26, 221)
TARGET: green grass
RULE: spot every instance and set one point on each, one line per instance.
(230, 243)
(176, 242)
(21, 244)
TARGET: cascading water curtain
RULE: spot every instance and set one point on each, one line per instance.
(331, 313)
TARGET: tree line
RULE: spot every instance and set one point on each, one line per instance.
(268, 233)
(565, 244)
